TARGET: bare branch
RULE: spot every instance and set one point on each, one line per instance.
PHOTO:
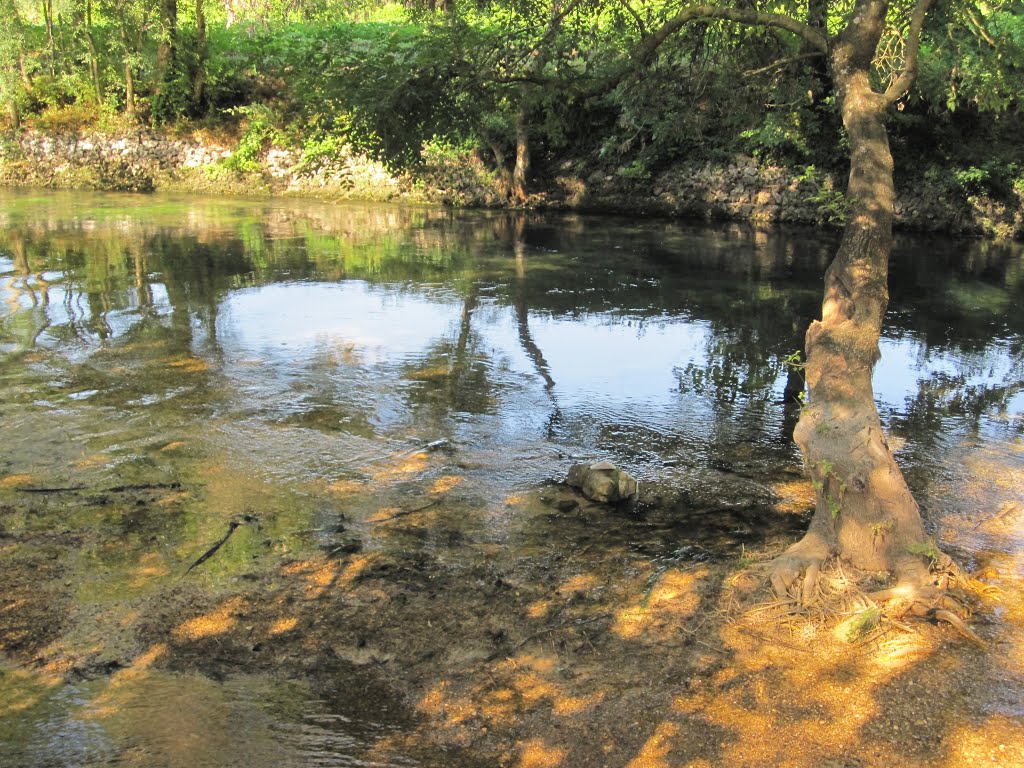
(636, 17)
(782, 63)
(912, 50)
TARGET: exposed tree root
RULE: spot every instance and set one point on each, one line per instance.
(936, 594)
(794, 574)
(820, 591)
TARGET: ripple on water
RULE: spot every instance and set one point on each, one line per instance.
(189, 721)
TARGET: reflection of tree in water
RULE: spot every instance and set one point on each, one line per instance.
(957, 305)
(454, 375)
(752, 292)
(25, 286)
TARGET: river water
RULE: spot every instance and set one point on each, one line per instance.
(173, 366)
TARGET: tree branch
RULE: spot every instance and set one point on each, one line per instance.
(902, 84)
(636, 17)
(739, 15)
(782, 63)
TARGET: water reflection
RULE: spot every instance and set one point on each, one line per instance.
(484, 328)
(189, 721)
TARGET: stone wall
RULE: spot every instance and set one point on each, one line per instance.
(742, 189)
(147, 160)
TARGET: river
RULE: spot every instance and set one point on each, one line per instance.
(373, 405)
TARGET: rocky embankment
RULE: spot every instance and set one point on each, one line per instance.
(747, 190)
(144, 160)
(742, 189)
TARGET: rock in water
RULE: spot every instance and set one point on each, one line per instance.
(603, 482)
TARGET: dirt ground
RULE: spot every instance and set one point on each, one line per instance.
(562, 650)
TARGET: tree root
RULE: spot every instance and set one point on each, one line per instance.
(930, 593)
(931, 603)
(794, 574)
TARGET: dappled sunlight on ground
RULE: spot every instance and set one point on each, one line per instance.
(216, 622)
(187, 364)
(668, 603)
(403, 467)
(445, 484)
(657, 750)
(347, 487)
(535, 753)
(794, 496)
(22, 689)
(15, 481)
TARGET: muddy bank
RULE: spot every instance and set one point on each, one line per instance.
(742, 189)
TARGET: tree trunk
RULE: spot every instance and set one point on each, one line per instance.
(129, 90)
(517, 193)
(167, 45)
(23, 73)
(94, 67)
(199, 83)
(50, 43)
(864, 511)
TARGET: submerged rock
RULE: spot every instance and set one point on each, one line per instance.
(603, 482)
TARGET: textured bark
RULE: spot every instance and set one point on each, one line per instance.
(517, 193)
(864, 511)
(94, 67)
(50, 42)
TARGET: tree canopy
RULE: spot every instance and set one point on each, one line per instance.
(617, 82)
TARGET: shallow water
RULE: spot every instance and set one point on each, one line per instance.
(170, 365)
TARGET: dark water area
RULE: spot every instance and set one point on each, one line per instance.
(169, 365)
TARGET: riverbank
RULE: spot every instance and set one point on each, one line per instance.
(740, 189)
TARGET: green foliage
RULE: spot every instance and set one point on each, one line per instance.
(926, 549)
(779, 137)
(971, 57)
(861, 625)
(456, 168)
(406, 83)
(320, 151)
(259, 133)
(831, 202)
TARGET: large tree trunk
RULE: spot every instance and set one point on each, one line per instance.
(864, 511)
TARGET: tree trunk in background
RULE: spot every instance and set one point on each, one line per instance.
(517, 191)
(94, 66)
(50, 42)
(199, 83)
(167, 45)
